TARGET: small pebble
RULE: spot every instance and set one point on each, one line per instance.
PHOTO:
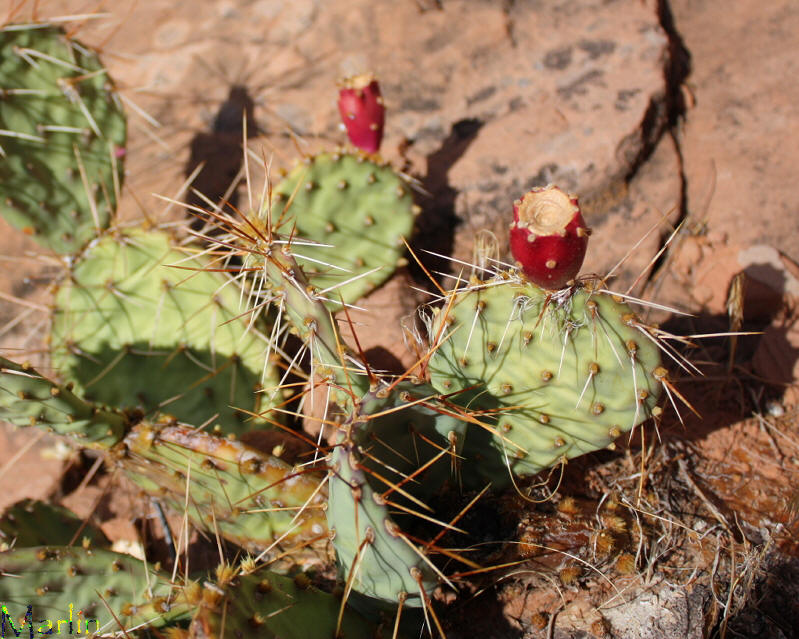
(774, 408)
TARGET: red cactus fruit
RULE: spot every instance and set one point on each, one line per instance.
(548, 236)
(362, 111)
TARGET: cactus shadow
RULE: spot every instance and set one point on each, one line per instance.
(173, 381)
(772, 609)
(219, 154)
(435, 227)
(483, 616)
(740, 374)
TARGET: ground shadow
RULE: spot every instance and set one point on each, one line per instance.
(435, 227)
(219, 153)
(772, 610)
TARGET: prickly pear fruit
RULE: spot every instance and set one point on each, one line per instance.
(548, 236)
(362, 111)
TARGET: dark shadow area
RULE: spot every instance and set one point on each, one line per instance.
(194, 385)
(435, 227)
(678, 67)
(75, 473)
(382, 359)
(480, 616)
(772, 609)
(158, 541)
(664, 112)
(219, 151)
(739, 372)
(676, 70)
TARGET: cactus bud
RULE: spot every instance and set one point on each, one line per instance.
(548, 236)
(362, 111)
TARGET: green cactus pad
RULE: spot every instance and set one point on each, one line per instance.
(363, 210)
(28, 399)
(249, 497)
(56, 581)
(31, 522)
(61, 128)
(268, 605)
(133, 331)
(569, 373)
(393, 455)
(371, 549)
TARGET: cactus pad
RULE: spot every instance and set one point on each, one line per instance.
(60, 127)
(80, 586)
(132, 331)
(362, 209)
(392, 457)
(28, 399)
(569, 373)
(31, 522)
(374, 554)
(267, 605)
(247, 496)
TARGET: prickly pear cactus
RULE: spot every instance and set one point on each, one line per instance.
(156, 349)
(31, 522)
(29, 399)
(140, 324)
(570, 372)
(274, 606)
(77, 587)
(351, 216)
(61, 130)
(255, 500)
